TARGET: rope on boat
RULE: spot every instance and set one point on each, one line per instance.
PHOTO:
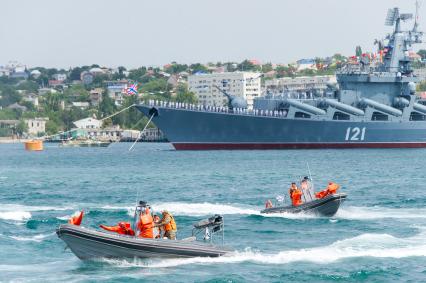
(140, 134)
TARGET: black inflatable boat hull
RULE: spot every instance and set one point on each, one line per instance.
(327, 206)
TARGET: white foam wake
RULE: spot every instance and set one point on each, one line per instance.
(17, 212)
(208, 209)
(371, 213)
(35, 238)
(365, 245)
(15, 215)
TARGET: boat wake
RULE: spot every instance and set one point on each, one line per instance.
(35, 238)
(17, 212)
(209, 209)
(364, 245)
(15, 215)
(371, 213)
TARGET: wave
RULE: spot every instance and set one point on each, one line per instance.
(35, 238)
(15, 215)
(371, 213)
(365, 245)
(208, 209)
(19, 207)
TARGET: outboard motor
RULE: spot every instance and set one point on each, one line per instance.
(210, 227)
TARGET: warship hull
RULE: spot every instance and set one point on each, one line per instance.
(90, 244)
(203, 130)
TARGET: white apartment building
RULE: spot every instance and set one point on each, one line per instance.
(243, 84)
(299, 84)
(36, 126)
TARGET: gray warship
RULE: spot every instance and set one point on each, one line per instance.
(373, 105)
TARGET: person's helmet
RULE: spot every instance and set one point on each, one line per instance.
(306, 178)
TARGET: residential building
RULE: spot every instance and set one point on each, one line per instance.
(110, 133)
(54, 83)
(32, 98)
(86, 77)
(96, 96)
(299, 85)
(44, 90)
(81, 105)
(36, 126)
(35, 73)
(8, 127)
(306, 64)
(116, 90)
(16, 106)
(88, 123)
(59, 77)
(242, 84)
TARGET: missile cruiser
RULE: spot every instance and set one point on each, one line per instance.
(373, 105)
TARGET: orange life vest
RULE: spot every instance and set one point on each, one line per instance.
(268, 204)
(145, 225)
(171, 225)
(76, 219)
(331, 189)
(296, 197)
(122, 228)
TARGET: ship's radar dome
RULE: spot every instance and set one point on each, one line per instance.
(412, 87)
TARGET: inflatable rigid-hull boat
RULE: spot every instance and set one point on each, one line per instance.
(326, 206)
(89, 244)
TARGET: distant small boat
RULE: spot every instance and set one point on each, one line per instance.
(326, 206)
(85, 143)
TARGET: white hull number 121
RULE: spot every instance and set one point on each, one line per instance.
(355, 134)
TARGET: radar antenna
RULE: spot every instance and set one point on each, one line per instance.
(393, 14)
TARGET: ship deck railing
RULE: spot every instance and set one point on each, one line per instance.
(218, 109)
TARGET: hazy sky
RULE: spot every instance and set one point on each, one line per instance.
(64, 33)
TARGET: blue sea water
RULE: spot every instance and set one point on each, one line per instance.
(379, 235)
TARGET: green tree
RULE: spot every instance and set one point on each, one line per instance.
(267, 67)
(195, 68)
(52, 127)
(28, 85)
(52, 101)
(175, 68)
(137, 74)
(76, 93)
(158, 87)
(106, 106)
(246, 65)
(8, 95)
(184, 95)
(21, 128)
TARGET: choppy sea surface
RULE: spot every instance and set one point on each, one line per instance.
(379, 234)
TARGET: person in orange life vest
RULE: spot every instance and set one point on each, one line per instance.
(122, 228)
(157, 231)
(169, 225)
(145, 224)
(295, 195)
(268, 204)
